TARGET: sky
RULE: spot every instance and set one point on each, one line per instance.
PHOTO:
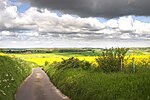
(74, 23)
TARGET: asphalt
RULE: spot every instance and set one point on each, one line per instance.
(38, 87)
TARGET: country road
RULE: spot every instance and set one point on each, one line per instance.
(38, 87)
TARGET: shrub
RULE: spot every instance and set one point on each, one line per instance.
(112, 59)
(46, 63)
(73, 63)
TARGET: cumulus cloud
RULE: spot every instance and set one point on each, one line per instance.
(96, 8)
(45, 25)
(126, 24)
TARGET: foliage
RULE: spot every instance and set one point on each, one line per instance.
(112, 59)
(12, 72)
(90, 85)
(46, 63)
(73, 63)
(56, 50)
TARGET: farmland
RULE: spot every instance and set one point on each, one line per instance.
(41, 58)
(81, 77)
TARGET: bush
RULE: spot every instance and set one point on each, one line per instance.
(46, 63)
(73, 63)
(112, 59)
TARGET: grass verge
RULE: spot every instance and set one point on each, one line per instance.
(12, 72)
(81, 84)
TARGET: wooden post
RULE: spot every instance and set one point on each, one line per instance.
(133, 64)
(121, 64)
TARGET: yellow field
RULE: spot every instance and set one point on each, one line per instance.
(40, 59)
(139, 60)
(2, 54)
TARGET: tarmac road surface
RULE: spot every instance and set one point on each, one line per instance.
(38, 87)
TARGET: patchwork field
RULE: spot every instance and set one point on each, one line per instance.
(82, 75)
(40, 59)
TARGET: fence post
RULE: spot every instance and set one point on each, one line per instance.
(133, 64)
(121, 64)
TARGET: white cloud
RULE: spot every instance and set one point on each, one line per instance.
(126, 24)
(7, 14)
(12, 11)
(125, 36)
(7, 33)
(142, 28)
(41, 24)
(113, 23)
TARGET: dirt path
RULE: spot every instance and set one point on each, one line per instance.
(38, 87)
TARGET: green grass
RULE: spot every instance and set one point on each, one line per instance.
(12, 72)
(79, 54)
(77, 83)
(49, 55)
(81, 84)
